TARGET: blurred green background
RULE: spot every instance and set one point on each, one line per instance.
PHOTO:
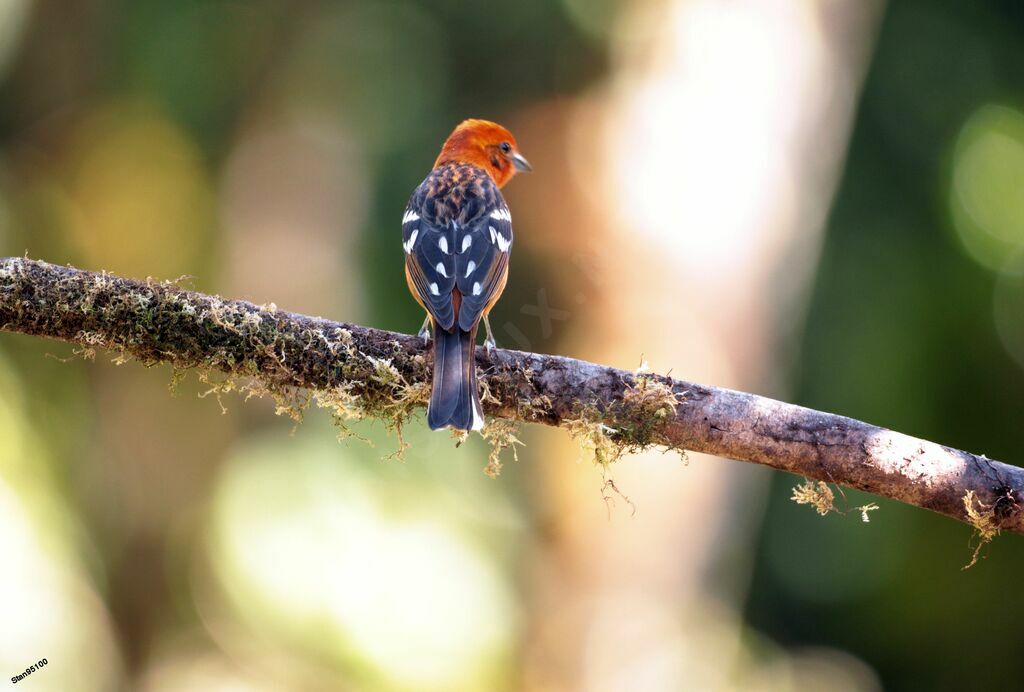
(818, 201)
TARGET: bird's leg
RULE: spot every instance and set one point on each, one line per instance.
(489, 342)
(424, 332)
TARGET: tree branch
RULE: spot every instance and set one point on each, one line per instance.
(386, 374)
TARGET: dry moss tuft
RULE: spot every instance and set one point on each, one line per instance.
(985, 522)
(865, 510)
(816, 494)
(392, 401)
(820, 496)
(501, 434)
(594, 437)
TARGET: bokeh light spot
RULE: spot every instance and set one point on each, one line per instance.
(312, 555)
(987, 206)
(142, 194)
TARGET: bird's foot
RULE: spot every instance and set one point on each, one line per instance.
(489, 342)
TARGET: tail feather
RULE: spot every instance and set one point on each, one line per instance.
(454, 401)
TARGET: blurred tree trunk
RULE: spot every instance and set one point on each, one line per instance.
(696, 189)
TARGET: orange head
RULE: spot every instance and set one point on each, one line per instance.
(486, 145)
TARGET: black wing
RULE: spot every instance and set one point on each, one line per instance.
(481, 261)
(429, 258)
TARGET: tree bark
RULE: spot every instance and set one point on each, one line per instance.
(387, 373)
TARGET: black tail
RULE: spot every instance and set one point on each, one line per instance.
(454, 401)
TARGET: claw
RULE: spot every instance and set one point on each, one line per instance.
(424, 332)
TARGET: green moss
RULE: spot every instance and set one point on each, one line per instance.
(646, 404)
(257, 351)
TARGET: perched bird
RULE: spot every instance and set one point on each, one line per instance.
(457, 236)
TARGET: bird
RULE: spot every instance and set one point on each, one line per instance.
(457, 238)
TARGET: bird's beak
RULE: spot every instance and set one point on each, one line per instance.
(520, 163)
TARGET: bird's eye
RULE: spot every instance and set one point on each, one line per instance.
(505, 147)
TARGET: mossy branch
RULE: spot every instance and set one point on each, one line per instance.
(361, 372)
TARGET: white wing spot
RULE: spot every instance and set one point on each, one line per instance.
(434, 289)
(502, 214)
(477, 289)
(503, 244)
(441, 270)
(470, 267)
(412, 241)
(443, 244)
(410, 216)
(467, 240)
(491, 229)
